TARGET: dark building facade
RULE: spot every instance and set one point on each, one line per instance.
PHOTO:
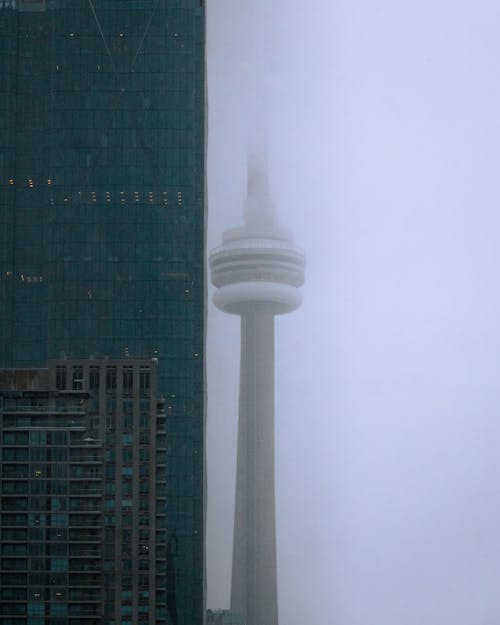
(83, 534)
(102, 220)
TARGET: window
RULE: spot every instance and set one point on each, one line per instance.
(59, 520)
(11, 593)
(15, 438)
(77, 378)
(127, 422)
(127, 455)
(14, 550)
(38, 438)
(110, 407)
(128, 380)
(58, 609)
(61, 378)
(15, 454)
(111, 379)
(59, 564)
(14, 564)
(31, 5)
(144, 381)
(14, 534)
(93, 378)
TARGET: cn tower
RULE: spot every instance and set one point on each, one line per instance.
(257, 272)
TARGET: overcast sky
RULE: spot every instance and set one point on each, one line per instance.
(384, 138)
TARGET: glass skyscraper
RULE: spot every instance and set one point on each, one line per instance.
(102, 219)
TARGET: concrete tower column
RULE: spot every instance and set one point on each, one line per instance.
(257, 272)
(254, 549)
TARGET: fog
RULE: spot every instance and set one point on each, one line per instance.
(383, 133)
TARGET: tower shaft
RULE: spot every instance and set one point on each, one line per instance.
(257, 272)
(254, 575)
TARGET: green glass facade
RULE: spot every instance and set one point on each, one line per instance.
(102, 219)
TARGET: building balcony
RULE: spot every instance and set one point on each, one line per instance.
(84, 566)
(14, 549)
(14, 536)
(14, 504)
(84, 458)
(75, 520)
(82, 609)
(83, 553)
(13, 455)
(14, 580)
(88, 442)
(17, 487)
(15, 471)
(81, 491)
(78, 536)
(42, 423)
(27, 410)
(84, 473)
(83, 579)
(13, 609)
(89, 596)
(14, 564)
(87, 504)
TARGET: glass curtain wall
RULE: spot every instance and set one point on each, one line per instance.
(102, 215)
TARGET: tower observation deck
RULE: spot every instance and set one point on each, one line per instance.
(257, 272)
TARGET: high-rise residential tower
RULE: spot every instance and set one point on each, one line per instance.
(102, 220)
(83, 483)
(257, 272)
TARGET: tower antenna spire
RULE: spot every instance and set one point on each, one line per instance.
(258, 176)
